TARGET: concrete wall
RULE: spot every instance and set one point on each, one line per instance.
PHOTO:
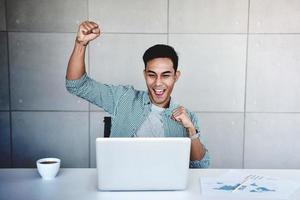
(240, 73)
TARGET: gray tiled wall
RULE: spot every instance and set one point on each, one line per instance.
(37, 71)
(279, 16)
(5, 145)
(273, 62)
(272, 140)
(218, 16)
(208, 78)
(2, 16)
(4, 87)
(240, 73)
(223, 136)
(130, 16)
(53, 134)
(45, 16)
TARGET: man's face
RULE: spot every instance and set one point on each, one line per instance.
(160, 78)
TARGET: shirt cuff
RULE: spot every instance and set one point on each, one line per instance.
(77, 82)
(203, 163)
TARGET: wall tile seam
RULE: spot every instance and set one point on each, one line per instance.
(158, 33)
(168, 22)
(9, 86)
(245, 86)
(212, 33)
(271, 113)
(74, 32)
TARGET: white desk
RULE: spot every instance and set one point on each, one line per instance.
(73, 184)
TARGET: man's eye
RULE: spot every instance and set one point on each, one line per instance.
(166, 76)
(151, 75)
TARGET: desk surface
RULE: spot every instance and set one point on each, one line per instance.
(82, 184)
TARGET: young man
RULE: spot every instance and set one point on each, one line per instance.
(138, 113)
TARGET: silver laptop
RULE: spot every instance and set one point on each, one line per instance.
(142, 163)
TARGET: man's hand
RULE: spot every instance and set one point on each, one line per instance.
(87, 31)
(197, 149)
(180, 115)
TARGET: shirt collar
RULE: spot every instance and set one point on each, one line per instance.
(167, 111)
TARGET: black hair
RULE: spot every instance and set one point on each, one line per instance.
(161, 51)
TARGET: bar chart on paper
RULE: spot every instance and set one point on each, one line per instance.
(239, 183)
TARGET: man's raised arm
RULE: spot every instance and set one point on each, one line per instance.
(87, 31)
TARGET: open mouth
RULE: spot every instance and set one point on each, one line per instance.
(159, 92)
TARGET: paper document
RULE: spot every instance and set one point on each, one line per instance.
(239, 183)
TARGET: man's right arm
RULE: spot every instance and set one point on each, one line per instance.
(78, 83)
(87, 31)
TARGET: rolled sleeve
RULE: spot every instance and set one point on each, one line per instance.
(103, 95)
(203, 163)
(73, 85)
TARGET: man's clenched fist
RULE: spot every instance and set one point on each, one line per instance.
(87, 31)
(180, 115)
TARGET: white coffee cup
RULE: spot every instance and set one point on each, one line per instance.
(48, 167)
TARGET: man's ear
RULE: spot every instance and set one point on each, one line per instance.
(177, 75)
(144, 72)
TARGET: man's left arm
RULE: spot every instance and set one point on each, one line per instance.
(198, 150)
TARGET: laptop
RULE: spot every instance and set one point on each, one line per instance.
(142, 163)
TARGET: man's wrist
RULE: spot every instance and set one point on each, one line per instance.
(195, 136)
(82, 43)
(191, 131)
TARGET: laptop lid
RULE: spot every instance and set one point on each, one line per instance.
(142, 163)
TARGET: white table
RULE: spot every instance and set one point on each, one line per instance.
(81, 183)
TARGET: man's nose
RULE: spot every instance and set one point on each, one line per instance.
(158, 81)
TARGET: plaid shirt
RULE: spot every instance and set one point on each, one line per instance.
(129, 108)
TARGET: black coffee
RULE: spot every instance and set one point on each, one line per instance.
(48, 162)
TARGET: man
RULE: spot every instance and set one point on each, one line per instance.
(138, 113)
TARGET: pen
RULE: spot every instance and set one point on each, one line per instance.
(242, 183)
